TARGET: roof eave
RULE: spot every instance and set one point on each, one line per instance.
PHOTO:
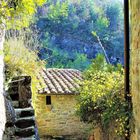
(45, 93)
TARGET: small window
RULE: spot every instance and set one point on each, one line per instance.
(48, 100)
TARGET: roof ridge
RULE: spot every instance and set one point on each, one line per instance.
(69, 69)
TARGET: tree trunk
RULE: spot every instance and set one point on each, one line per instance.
(135, 62)
(2, 102)
(104, 52)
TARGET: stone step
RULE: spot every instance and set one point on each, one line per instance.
(25, 122)
(14, 97)
(53, 138)
(58, 138)
(25, 132)
(24, 112)
(15, 104)
(27, 138)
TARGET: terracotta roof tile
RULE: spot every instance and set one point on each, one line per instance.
(59, 81)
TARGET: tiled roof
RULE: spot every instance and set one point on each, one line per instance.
(60, 81)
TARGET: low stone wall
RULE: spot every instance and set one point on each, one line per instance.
(59, 118)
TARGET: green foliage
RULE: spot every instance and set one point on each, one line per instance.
(58, 10)
(69, 23)
(101, 99)
(81, 62)
(18, 13)
(114, 14)
(19, 61)
(61, 59)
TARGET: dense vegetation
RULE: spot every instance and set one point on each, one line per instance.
(18, 14)
(101, 99)
(65, 30)
(21, 61)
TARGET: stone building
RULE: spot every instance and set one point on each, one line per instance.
(55, 105)
(135, 63)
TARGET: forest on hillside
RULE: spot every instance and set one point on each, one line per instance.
(70, 33)
(65, 32)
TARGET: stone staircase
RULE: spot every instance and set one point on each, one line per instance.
(25, 128)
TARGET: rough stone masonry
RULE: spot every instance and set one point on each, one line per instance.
(2, 104)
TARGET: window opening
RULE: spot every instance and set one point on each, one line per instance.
(48, 100)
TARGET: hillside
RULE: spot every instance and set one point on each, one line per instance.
(65, 32)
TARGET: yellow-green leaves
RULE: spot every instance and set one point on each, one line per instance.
(94, 33)
(19, 60)
(18, 13)
(40, 2)
(58, 10)
(1, 52)
(101, 99)
(102, 22)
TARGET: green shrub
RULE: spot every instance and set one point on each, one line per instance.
(101, 99)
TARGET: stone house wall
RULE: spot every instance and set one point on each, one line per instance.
(59, 119)
(135, 63)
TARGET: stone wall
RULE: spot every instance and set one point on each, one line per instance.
(9, 132)
(59, 119)
(2, 102)
(135, 64)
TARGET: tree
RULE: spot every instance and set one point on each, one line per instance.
(100, 43)
(13, 14)
(113, 14)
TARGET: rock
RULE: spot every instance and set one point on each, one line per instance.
(15, 104)
(26, 132)
(25, 122)
(24, 112)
